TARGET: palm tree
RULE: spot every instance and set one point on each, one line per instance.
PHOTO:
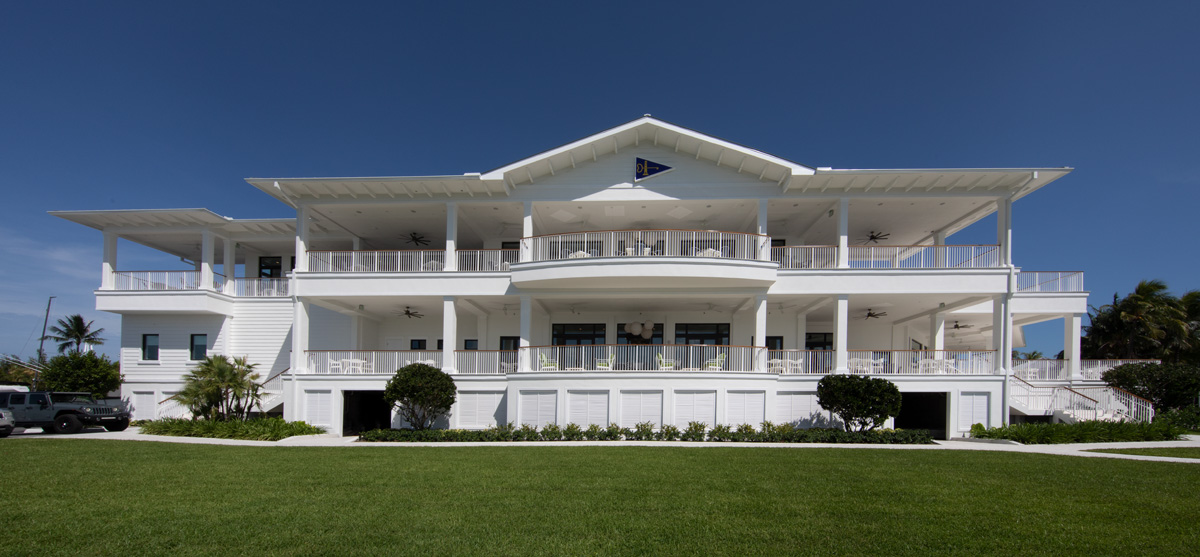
(1147, 323)
(221, 389)
(72, 330)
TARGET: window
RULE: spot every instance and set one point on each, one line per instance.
(270, 267)
(773, 343)
(439, 344)
(471, 344)
(510, 245)
(573, 334)
(199, 347)
(818, 341)
(624, 337)
(38, 398)
(150, 347)
(416, 344)
(702, 333)
(510, 343)
(778, 242)
(916, 345)
(15, 399)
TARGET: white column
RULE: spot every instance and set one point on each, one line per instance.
(526, 333)
(760, 333)
(302, 231)
(229, 266)
(843, 226)
(939, 239)
(526, 232)
(355, 243)
(1002, 333)
(207, 254)
(1072, 324)
(937, 333)
(451, 237)
(109, 265)
(449, 334)
(764, 246)
(841, 326)
(299, 335)
(801, 330)
(481, 332)
(1004, 230)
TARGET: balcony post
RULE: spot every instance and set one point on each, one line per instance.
(802, 330)
(1072, 324)
(937, 333)
(229, 267)
(841, 325)
(760, 333)
(763, 241)
(302, 217)
(108, 268)
(843, 227)
(1004, 230)
(299, 336)
(1002, 334)
(449, 334)
(526, 233)
(526, 327)
(939, 256)
(206, 259)
(451, 237)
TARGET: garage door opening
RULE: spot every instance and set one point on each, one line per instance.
(928, 411)
(364, 411)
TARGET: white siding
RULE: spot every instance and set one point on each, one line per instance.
(328, 330)
(538, 408)
(802, 410)
(144, 405)
(587, 408)
(641, 406)
(174, 342)
(973, 409)
(261, 331)
(745, 407)
(695, 406)
(478, 410)
(318, 407)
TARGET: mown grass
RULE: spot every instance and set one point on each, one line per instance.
(1177, 452)
(110, 497)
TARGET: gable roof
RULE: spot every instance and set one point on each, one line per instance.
(657, 132)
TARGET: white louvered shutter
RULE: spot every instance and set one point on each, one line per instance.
(479, 410)
(588, 407)
(973, 409)
(319, 407)
(144, 407)
(695, 406)
(745, 407)
(641, 406)
(538, 408)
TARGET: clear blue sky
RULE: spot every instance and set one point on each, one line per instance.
(125, 105)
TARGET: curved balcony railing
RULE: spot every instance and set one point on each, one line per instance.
(805, 257)
(649, 243)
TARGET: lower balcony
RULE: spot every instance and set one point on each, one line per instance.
(1056, 370)
(621, 358)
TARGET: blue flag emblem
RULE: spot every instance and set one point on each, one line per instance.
(644, 169)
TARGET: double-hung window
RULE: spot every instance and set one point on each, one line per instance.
(199, 348)
(150, 348)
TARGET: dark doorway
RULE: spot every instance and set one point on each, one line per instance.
(364, 411)
(923, 411)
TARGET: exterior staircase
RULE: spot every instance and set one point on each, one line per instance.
(1072, 404)
(272, 392)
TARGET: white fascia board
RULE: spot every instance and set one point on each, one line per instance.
(119, 218)
(498, 174)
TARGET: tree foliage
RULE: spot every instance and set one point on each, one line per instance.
(1147, 323)
(863, 403)
(72, 332)
(221, 389)
(420, 394)
(84, 372)
(13, 370)
(1166, 386)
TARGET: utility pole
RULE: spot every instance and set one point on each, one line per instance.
(42, 341)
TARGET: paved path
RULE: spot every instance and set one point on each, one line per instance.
(328, 440)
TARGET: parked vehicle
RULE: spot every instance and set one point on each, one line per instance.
(62, 412)
(6, 422)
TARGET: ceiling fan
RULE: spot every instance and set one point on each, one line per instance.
(874, 237)
(417, 239)
(409, 313)
(957, 326)
(874, 314)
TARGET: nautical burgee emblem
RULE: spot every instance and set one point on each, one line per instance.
(644, 169)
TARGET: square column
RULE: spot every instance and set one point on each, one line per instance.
(109, 265)
(229, 267)
(843, 224)
(449, 334)
(760, 333)
(526, 232)
(1002, 333)
(841, 326)
(937, 333)
(207, 254)
(302, 232)
(451, 237)
(802, 331)
(299, 335)
(526, 333)
(1072, 324)
(1004, 230)
(764, 242)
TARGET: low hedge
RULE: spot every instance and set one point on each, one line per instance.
(768, 433)
(1081, 432)
(258, 429)
(1188, 417)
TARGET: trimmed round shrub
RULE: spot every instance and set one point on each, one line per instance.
(863, 403)
(421, 394)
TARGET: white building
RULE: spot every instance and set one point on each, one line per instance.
(532, 284)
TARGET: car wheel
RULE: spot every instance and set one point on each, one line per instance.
(67, 423)
(118, 426)
(5, 431)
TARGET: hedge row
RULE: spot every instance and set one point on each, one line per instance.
(259, 429)
(695, 431)
(1081, 432)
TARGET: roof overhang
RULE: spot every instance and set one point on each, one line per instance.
(1001, 182)
(294, 190)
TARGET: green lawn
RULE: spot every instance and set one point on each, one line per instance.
(109, 497)
(1177, 452)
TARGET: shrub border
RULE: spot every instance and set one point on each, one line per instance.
(695, 432)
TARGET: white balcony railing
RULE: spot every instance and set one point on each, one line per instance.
(156, 280)
(643, 357)
(1081, 403)
(1049, 281)
(1116, 404)
(921, 362)
(805, 257)
(487, 259)
(260, 287)
(649, 243)
(1094, 369)
(486, 362)
(924, 257)
(1041, 370)
(800, 362)
(377, 261)
(368, 362)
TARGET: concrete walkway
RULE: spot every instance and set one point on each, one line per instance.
(329, 440)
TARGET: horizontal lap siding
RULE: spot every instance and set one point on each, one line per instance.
(262, 333)
(174, 342)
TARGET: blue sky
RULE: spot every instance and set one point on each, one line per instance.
(169, 104)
